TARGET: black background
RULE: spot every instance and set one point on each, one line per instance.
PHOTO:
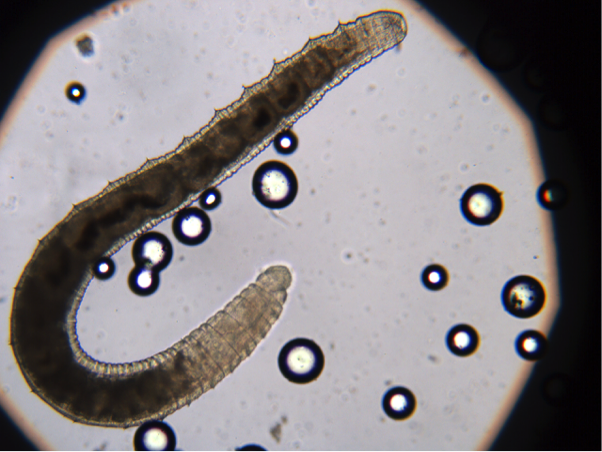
(565, 37)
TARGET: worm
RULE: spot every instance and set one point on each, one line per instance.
(53, 283)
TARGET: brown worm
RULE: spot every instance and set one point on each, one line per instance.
(51, 288)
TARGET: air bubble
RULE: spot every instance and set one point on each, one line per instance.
(462, 340)
(286, 142)
(399, 403)
(154, 435)
(251, 447)
(481, 204)
(152, 251)
(523, 296)
(104, 268)
(75, 92)
(552, 195)
(434, 277)
(301, 361)
(275, 185)
(210, 199)
(531, 345)
(191, 226)
(143, 281)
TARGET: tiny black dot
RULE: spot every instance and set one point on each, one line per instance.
(85, 45)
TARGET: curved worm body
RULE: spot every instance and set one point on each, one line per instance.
(51, 288)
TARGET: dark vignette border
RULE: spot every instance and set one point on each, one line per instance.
(563, 36)
(25, 28)
(559, 35)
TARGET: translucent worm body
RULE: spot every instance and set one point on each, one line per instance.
(51, 288)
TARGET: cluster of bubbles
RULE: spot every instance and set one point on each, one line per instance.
(274, 186)
(482, 204)
(522, 296)
(152, 253)
(159, 435)
(301, 360)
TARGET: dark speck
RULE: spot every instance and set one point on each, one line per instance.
(85, 45)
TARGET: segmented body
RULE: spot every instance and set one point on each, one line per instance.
(51, 288)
